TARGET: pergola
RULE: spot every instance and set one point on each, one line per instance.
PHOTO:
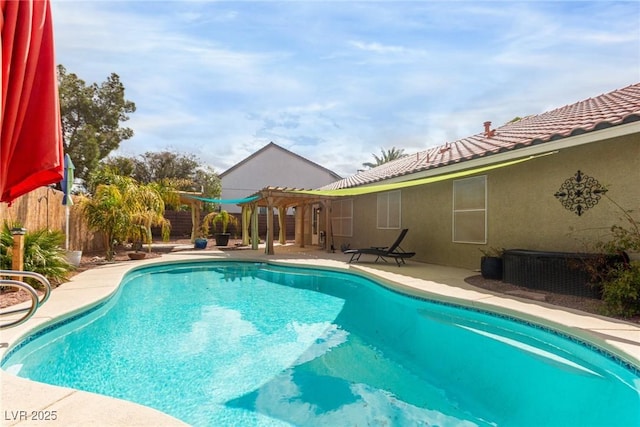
(280, 198)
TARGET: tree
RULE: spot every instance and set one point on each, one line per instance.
(91, 118)
(387, 156)
(153, 166)
(167, 169)
(208, 182)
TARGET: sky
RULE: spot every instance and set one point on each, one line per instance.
(338, 81)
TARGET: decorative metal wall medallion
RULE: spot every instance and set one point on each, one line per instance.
(580, 193)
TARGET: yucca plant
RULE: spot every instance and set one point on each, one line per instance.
(6, 245)
(43, 253)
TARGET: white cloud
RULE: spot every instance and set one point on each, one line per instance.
(222, 79)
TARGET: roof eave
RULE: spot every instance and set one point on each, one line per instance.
(556, 145)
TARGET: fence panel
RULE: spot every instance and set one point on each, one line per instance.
(42, 208)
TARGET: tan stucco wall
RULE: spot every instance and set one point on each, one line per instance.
(521, 207)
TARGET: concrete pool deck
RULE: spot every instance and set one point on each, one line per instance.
(25, 402)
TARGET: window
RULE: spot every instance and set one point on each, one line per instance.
(389, 210)
(342, 217)
(470, 210)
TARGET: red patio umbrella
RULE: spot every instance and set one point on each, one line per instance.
(31, 145)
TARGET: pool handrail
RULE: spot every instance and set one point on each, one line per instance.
(35, 301)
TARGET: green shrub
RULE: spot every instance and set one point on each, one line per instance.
(43, 253)
(621, 291)
(621, 284)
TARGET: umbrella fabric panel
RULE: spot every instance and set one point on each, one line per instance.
(31, 147)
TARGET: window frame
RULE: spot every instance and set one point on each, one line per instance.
(384, 204)
(457, 221)
(344, 217)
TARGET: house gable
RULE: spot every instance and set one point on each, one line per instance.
(273, 147)
(272, 165)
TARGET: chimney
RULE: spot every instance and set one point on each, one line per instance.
(445, 148)
(487, 130)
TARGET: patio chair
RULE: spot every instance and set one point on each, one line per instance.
(382, 252)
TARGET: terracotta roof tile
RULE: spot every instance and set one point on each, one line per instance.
(611, 109)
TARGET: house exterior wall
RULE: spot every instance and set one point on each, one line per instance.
(522, 211)
(271, 167)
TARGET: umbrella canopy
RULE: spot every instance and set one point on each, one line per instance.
(67, 181)
(31, 132)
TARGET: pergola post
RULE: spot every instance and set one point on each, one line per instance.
(269, 243)
(255, 238)
(282, 235)
(329, 224)
(303, 213)
(196, 209)
(246, 221)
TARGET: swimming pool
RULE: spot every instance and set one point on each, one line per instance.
(237, 343)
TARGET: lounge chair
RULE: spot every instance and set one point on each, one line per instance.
(381, 252)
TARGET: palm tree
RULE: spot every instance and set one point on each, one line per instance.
(146, 210)
(387, 156)
(125, 211)
(104, 213)
(168, 188)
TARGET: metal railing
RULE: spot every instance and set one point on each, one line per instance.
(20, 284)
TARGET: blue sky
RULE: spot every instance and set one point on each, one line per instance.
(336, 81)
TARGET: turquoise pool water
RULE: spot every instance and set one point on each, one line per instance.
(237, 343)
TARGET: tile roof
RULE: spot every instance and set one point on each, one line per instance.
(611, 109)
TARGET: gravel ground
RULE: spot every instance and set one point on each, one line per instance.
(585, 304)
(589, 305)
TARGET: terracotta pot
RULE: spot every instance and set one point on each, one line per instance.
(137, 255)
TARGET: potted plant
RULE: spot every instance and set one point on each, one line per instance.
(220, 220)
(491, 263)
(200, 243)
(137, 251)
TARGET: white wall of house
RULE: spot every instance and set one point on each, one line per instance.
(272, 166)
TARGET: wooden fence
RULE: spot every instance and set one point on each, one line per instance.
(42, 208)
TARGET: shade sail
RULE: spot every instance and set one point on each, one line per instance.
(31, 146)
(225, 201)
(356, 191)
